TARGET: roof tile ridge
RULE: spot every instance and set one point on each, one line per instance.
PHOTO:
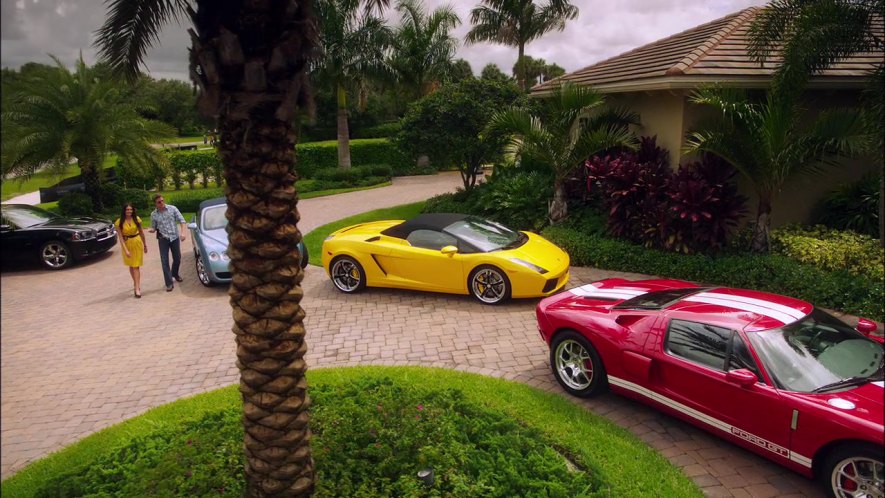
(715, 39)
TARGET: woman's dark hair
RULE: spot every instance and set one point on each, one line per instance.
(134, 215)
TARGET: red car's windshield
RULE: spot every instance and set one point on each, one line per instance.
(818, 353)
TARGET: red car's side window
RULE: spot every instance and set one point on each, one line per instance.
(699, 343)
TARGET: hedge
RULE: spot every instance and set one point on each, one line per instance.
(834, 289)
(319, 155)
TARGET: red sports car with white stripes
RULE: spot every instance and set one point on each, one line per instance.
(771, 373)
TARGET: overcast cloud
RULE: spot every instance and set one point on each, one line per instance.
(33, 29)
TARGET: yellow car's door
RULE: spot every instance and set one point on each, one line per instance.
(423, 264)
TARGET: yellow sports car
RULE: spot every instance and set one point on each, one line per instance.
(453, 253)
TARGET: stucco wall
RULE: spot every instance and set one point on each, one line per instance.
(670, 116)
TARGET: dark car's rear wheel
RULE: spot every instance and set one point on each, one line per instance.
(55, 255)
(347, 274)
(305, 256)
(489, 284)
(854, 469)
(202, 274)
(576, 365)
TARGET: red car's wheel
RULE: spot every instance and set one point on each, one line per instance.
(576, 365)
(855, 469)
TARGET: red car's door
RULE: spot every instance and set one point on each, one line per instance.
(690, 374)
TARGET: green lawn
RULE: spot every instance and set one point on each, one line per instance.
(314, 239)
(181, 140)
(615, 461)
(17, 186)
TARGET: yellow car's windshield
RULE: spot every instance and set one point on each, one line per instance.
(486, 235)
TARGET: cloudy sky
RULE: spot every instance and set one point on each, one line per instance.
(32, 29)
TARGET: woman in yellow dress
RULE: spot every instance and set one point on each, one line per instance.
(131, 237)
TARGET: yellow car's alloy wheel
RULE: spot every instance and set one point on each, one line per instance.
(347, 274)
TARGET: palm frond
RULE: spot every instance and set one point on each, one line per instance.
(131, 27)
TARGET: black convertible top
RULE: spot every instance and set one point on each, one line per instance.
(430, 221)
(211, 202)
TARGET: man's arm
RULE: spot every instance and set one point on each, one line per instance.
(182, 224)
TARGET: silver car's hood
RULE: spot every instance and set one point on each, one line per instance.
(215, 238)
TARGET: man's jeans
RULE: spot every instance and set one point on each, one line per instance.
(165, 247)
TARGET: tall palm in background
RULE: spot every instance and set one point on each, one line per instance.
(249, 61)
(354, 43)
(57, 116)
(769, 145)
(423, 49)
(573, 128)
(812, 35)
(517, 22)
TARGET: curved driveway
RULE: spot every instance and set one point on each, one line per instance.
(79, 353)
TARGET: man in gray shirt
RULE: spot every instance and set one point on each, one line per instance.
(163, 221)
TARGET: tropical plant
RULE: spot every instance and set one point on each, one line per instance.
(571, 129)
(537, 69)
(491, 71)
(447, 123)
(852, 206)
(767, 143)
(249, 61)
(517, 22)
(810, 36)
(460, 70)
(354, 42)
(423, 48)
(57, 116)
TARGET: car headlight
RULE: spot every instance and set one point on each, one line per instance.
(83, 235)
(528, 265)
(224, 256)
(214, 256)
(330, 237)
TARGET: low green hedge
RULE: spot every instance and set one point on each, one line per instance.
(835, 289)
(831, 249)
(319, 155)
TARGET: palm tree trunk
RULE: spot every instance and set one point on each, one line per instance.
(520, 76)
(882, 210)
(343, 131)
(761, 242)
(557, 210)
(262, 49)
(91, 183)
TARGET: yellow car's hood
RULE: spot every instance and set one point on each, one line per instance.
(539, 251)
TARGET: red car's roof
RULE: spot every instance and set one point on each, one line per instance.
(735, 308)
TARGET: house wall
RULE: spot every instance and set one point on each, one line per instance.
(670, 116)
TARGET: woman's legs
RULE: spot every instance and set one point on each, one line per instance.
(136, 275)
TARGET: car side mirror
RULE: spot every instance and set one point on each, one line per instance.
(741, 377)
(449, 250)
(192, 225)
(866, 327)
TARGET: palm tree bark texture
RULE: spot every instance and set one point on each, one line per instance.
(249, 58)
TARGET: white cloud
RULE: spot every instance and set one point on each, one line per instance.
(32, 29)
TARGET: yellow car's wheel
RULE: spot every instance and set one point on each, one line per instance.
(489, 284)
(347, 274)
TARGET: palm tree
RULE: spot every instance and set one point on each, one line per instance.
(354, 44)
(811, 36)
(517, 22)
(55, 117)
(249, 61)
(423, 50)
(767, 143)
(572, 129)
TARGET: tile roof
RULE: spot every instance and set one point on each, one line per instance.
(715, 51)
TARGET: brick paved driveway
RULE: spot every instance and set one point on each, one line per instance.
(79, 354)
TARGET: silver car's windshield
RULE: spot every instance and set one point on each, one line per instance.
(214, 218)
(485, 235)
(818, 353)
